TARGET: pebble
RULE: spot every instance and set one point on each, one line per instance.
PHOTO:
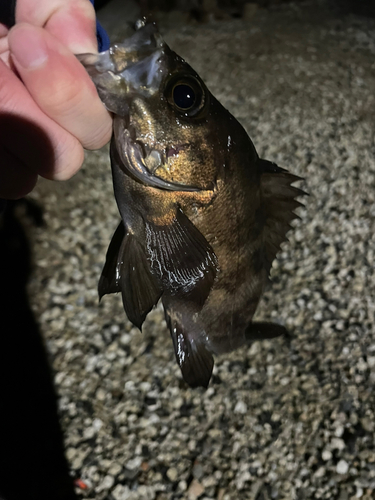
(106, 484)
(240, 407)
(195, 490)
(172, 474)
(120, 492)
(326, 455)
(115, 469)
(337, 444)
(342, 467)
(132, 467)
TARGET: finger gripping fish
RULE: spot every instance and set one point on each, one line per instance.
(203, 216)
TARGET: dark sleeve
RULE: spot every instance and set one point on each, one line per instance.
(7, 17)
(101, 35)
(7, 12)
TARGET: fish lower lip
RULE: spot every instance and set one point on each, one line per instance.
(134, 154)
(132, 132)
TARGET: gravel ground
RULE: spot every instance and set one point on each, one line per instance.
(283, 419)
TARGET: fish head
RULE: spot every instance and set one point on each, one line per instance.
(169, 130)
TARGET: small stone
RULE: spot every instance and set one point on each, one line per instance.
(89, 433)
(342, 467)
(172, 474)
(220, 494)
(132, 467)
(105, 464)
(326, 455)
(106, 484)
(368, 424)
(256, 488)
(115, 469)
(97, 424)
(343, 494)
(240, 408)
(320, 472)
(125, 339)
(78, 459)
(146, 492)
(195, 490)
(337, 444)
(70, 454)
(100, 394)
(339, 431)
(120, 492)
(177, 403)
(182, 485)
(198, 471)
(242, 479)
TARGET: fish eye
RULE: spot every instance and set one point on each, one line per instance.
(186, 95)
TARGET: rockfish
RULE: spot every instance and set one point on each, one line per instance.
(203, 216)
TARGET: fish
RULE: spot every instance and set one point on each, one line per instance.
(202, 215)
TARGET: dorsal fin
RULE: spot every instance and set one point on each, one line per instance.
(278, 200)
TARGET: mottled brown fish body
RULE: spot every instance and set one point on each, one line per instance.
(202, 215)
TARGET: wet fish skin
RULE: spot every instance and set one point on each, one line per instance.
(203, 216)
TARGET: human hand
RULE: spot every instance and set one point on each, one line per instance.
(49, 107)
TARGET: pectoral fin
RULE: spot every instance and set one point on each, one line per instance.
(181, 258)
(195, 361)
(109, 280)
(127, 270)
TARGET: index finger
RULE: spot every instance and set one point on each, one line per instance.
(72, 22)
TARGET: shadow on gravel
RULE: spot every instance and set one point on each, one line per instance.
(32, 462)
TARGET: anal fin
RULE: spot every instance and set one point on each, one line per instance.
(194, 359)
(127, 270)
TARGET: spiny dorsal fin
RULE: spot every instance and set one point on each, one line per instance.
(181, 258)
(278, 200)
(127, 270)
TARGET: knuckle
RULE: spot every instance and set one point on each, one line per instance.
(100, 135)
(61, 97)
(8, 92)
(69, 160)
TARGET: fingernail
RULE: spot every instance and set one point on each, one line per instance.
(27, 46)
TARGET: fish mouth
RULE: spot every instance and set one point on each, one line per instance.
(134, 67)
(142, 161)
